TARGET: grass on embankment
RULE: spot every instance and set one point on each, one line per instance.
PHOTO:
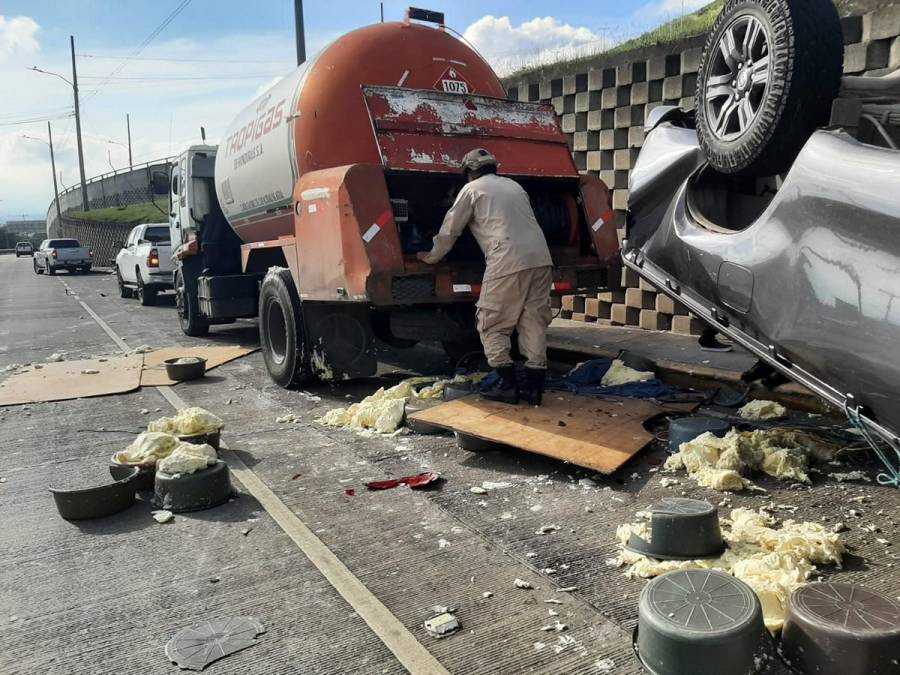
(134, 214)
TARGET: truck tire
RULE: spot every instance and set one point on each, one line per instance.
(188, 307)
(282, 332)
(124, 291)
(146, 294)
(769, 72)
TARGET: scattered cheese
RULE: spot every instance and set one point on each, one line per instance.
(850, 475)
(770, 559)
(759, 409)
(148, 448)
(619, 373)
(187, 422)
(384, 410)
(188, 458)
(723, 463)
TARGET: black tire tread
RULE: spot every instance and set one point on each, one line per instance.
(278, 281)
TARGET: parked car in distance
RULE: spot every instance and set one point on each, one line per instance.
(144, 264)
(24, 248)
(62, 254)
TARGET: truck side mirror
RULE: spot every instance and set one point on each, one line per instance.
(160, 183)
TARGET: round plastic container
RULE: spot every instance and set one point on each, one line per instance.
(841, 628)
(684, 429)
(681, 529)
(700, 622)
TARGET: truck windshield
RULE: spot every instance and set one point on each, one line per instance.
(63, 243)
(157, 235)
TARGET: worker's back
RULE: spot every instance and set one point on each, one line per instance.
(504, 225)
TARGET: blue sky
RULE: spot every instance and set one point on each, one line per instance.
(213, 58)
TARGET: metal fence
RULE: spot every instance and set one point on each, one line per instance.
(115, 188)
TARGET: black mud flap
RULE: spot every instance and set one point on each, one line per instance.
(341, 341)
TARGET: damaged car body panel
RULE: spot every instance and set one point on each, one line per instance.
(807, 278)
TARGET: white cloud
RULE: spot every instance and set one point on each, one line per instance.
(18, 34)
(540, 40)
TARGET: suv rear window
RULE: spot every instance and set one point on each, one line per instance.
(63, 243)
(157, 235)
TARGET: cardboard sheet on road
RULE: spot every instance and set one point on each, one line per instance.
(599, 434)
(154, 374)
(65, 380)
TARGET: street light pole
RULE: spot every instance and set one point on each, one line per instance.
(300, 33)
(128, 126)
(53, 167)
(84, 198)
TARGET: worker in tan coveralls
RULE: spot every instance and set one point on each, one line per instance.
(515, 292)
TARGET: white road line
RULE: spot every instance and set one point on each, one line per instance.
(389, 629)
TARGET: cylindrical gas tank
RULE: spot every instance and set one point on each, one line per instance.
(316, 117)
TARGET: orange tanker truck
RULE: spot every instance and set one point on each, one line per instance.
(310, 211)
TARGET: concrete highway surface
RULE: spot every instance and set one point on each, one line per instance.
(341, 583)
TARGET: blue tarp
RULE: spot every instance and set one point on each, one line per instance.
(585, 381)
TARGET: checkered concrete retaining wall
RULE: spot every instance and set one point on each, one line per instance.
(602, 106)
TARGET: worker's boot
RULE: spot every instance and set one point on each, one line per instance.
(505, 389)
(535, 379)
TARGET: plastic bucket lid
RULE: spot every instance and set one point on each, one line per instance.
(684, 429)
(681, 529)
(702, 622)
(841, 628)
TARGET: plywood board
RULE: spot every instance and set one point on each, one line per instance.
(599, 434)
(154, 374)
(66, 380)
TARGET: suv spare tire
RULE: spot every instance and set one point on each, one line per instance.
(769, 72)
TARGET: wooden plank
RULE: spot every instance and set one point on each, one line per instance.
(66, 380)
(154, 374)
(599, 434)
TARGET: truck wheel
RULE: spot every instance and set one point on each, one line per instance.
(192, 324)
(282, 333)
(769, 72)
(124, 291)
(146, 294)
(37, 270)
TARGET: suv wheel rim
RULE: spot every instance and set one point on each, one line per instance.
(737, 78)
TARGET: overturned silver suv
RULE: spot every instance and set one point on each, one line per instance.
(772, 211)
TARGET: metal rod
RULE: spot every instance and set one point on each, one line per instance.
(128, 126)
(300, 34)
(84, 198)
(382, 11)
(53, 167)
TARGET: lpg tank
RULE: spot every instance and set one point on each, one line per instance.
(316, 117)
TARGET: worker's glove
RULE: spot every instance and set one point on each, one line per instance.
(423, 255)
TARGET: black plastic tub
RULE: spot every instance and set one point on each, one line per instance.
(701, 622)
(96, 502)
(193, 491)
(144, 478)
(212, 438)
(681, 529)
(192, 368)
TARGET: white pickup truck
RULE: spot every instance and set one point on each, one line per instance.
(144, 264)
(62, 254)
